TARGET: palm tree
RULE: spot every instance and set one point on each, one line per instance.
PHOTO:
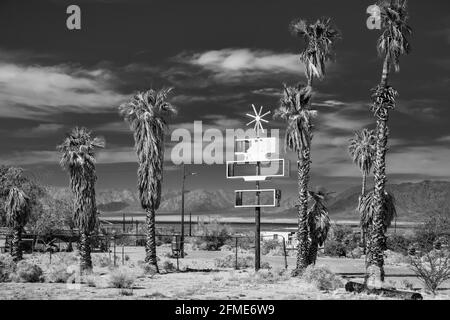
(362, 150)
(78, 158)
(319, 38)
(318, 223)
(295, 109)
(146, 114)
(18, 209)
(392, 43)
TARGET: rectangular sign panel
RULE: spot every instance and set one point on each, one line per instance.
(267, 197)
(247, 170)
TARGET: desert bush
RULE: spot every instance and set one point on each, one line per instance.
(122, 278)
(335, 248)
(7, 266)
(168, 266)
(340, 233)
(58, 273)
(355, 253)
(398, 243)
(271, 276)
(211, 236)
(27, 272)
(432, 268)
(270, 245)
(436, 227)
(322, 278)
(229, 261)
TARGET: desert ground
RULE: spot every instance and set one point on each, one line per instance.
(206, 282)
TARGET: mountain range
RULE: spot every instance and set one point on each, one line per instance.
(414, 201)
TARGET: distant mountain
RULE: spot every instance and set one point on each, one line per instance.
(414, 201)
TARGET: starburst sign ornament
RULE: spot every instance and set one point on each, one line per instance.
(257, 119)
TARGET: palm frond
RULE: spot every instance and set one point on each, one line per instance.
(366, 208)
(17, 207)
(318, 219)
(319, 37)
(393, 41)
(295, 109)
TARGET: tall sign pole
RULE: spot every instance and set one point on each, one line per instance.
(257, 119)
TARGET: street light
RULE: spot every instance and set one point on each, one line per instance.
(182, 208)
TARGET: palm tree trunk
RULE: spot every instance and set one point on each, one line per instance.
(363, 192)
(85, 252)
(312, 252)
(375, 259)
(302, 232)
(16, 248)
(375, 262)
(150, 245)
(363, 187)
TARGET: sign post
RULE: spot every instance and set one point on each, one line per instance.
(255, 154)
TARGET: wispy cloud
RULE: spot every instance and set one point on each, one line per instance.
(231, 64)
(33, 91)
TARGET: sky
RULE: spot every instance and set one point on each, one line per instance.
(220, 57)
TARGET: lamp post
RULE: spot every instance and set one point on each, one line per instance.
(182, 208)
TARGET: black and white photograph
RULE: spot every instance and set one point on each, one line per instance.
(245, 152)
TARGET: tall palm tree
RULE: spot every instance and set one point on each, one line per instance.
(319, 38)
(146, 113)
(296, 110)
(318, 223)
(392, 43)
(362, 150)
(78, 158)
(18, 209)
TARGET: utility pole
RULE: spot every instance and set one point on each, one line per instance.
(182, 208)
(182, 213)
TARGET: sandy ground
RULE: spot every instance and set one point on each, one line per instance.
(215, 284)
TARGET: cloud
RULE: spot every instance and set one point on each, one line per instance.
(35, 91)
(42, 130)
(230, 64)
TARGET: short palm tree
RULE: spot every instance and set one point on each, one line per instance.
(146, 113)
(18, 211)
(362, 150)
(319, 38)
(392, 43)
(78, 159)
(318, 223)
(295, 109)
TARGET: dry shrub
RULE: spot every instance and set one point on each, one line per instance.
(432, 268)
(122, 278)
(7, 266)
(322, 278)
(27, 272)
(229, 261)
(168, 266)
(58, 273)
